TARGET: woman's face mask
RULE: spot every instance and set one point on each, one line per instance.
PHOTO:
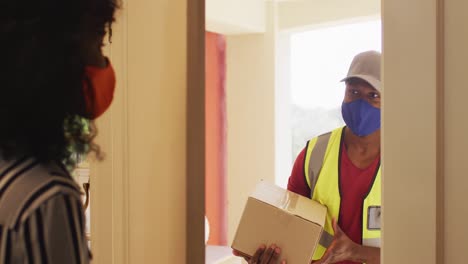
(362, 118)
(98, 88)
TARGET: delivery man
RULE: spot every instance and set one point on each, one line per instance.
(341, 169)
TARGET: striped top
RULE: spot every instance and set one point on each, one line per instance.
(41, 215)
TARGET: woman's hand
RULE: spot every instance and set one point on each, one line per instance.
(263, 255)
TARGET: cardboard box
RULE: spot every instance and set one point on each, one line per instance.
(275, 215)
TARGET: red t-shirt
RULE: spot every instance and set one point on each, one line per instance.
(355, 185)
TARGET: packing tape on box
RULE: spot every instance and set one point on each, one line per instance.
(289, 201)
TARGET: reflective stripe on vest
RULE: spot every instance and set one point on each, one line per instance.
(323, 158)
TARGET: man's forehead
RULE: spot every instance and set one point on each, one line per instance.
(357, 82)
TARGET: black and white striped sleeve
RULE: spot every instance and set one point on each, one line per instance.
(53, 233)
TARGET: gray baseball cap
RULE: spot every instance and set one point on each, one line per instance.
(366, 66)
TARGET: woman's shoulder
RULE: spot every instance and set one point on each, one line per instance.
(26, 184)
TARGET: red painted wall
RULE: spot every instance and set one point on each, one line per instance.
(215, 194)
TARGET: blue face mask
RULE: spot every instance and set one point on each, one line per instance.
(361, 117)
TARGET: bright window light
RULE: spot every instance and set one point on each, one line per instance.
(319, 59)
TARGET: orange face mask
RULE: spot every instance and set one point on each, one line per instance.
(98, 88)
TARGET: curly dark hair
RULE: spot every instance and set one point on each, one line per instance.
(41, 76)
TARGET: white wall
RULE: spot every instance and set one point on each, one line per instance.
(283, 131)
(248, 16)
(235, 16)
(299, 14)
(250, 99)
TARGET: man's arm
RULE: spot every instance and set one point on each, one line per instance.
(356, 253)
(297, 182)
(368, 255)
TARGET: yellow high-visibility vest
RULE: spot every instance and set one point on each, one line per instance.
(323, 159)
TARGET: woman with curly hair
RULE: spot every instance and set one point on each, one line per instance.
(54, 81)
